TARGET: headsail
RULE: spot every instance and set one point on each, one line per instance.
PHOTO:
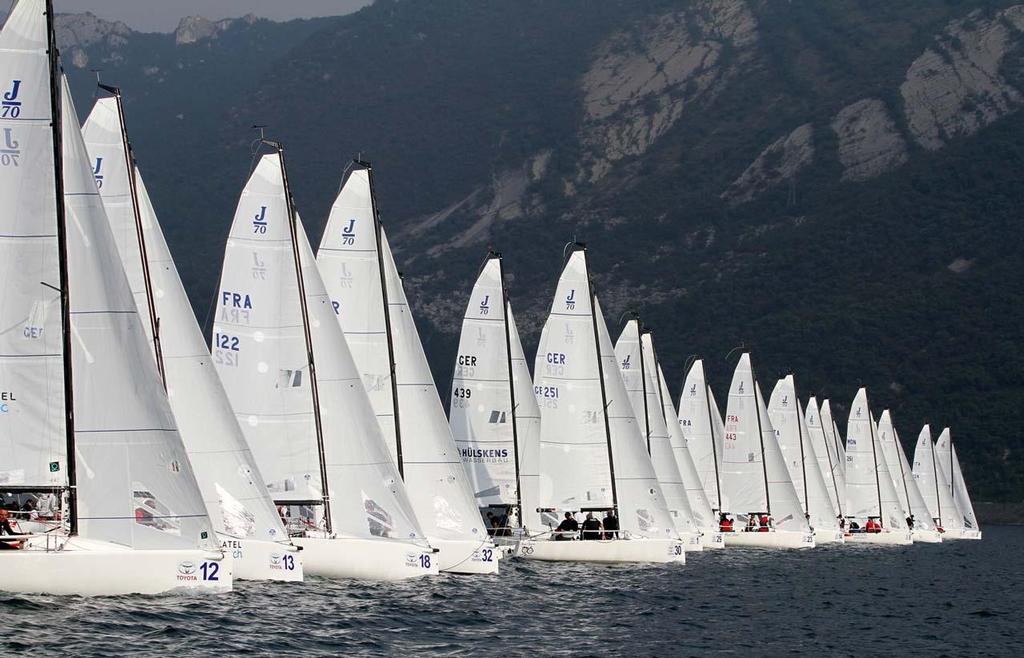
(825, 452)
(702, 433)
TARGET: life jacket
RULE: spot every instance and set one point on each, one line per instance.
(725, 526)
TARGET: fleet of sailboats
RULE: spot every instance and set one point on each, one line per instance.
(307, 435)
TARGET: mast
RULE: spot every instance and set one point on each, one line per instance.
(874, 457)
(511, 384)
(935, 476)
(129, 159)
(714, 447)
(293, 226)
(760, 437)
(378, 233)
(643, 381)
(600, 375)
(800, 437)
(56, 111)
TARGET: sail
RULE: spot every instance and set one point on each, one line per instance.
(703, 515)
(825, 453)
(481, 413)
(638, 370)
(698, 420)
(886, 434)
(438, 485)
(945, 454)
(932, 483)
(831, 429)
(869, 488)
(915, 505)
(527, 415)
(232, 487)
(260, 353)
(795, 442)
(754, 473)
(33, 440)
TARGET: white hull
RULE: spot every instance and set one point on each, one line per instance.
(691, 543)
(900, 538)
(615, 550)
(926, 536)
(365, 559)
(970, 534)
(835, 536)
(712, 539)
(467, 557)
(87, 567)
(775, 539)
(263, 560)
(961, 533)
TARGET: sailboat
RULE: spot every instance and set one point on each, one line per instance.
(831, 429)
(635, 356)
(703, 515)
(950, 465)
(754, 473)
(700, 424)
(794, 439)
(937, 493)
(371, 306)
(244, 516)
(593, 457)
(494, 415)
(870, 494)
(296, 393)
(827, 456)
(919, 519)
(85, 423)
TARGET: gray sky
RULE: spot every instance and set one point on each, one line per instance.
(163, 15)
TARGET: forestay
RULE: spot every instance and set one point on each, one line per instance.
(232, 487)
(825, 453)
(869, 488)
(377, 321)
(754, 473)
(903, 477)
(638, 372)
(701, 433)
(260, 353)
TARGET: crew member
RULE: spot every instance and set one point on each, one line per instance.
(766, 523)
(611, 525)
(568, 528)
(724, 522)
(591, 527)
(6, 529)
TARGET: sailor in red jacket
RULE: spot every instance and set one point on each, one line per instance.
(873, 526)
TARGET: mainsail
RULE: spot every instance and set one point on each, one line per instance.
(869, 488)
(702, 433)
(945, 453)
(371, 306)
(232, 487)
(831, 429)
(291, 379)
(754, 473)
(903, 477)
(825, 452)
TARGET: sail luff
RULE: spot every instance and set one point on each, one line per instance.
(517, 456)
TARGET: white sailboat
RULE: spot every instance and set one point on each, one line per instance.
(705, 517)
(371, 306)
(244, 517)
(85, 421)
(634, 355)
(494, 415)
(754, 474)
(870, 494)
(701, 426)
(795, 442)
(949, 463)
(918, 518)
(934, 489)
(828, 458)
(592, 453)
(295, 391)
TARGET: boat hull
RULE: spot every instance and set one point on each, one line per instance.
(970, 534)
(902, 538)
(712, 539)
(926, 536)
(466, 557)
(263, 560)
(659, 551)
(94, 568)
(777, 539)
(365, 559)
(831, 536)
(691, 542)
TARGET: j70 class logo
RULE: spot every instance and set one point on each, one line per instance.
(570, 300)
(625, 362)
(10, 106)
(348, 234)
(485, 305)
(693, 390)
(97, 173)
(259, 222)
(10, 150)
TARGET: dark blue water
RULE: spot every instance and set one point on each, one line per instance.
(957, 598)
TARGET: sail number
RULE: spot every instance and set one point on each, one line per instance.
(547, 396)
(425, 561)
(289, 562)
(210, 571)
(227, 349)
(460, 397)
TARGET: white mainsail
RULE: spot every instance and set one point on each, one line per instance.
(371, 307)
(233, 490)
(795, 442)
(754, 474)
(831, 429)
(587, 427)
(327, 456)
(638, 370)
(825, 452)
(945, 453)
(906, 487)
(702, 433)
(494, 425)
(869, 488)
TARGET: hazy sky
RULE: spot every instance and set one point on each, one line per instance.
(163, 15)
